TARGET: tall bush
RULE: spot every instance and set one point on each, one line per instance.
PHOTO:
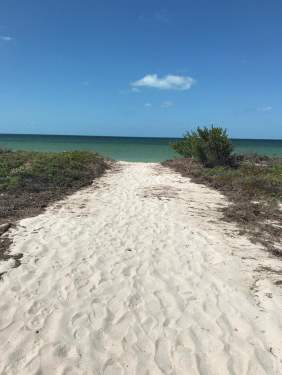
(211, 146)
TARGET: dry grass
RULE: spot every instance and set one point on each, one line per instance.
(254, 188)
(29, 181)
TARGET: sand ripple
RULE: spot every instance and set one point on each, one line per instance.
(136, 276)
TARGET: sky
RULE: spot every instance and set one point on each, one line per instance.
(141, 68)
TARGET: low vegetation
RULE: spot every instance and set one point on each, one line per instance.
(252, 183)
(29, 181)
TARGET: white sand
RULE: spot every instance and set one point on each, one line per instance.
(138, 276)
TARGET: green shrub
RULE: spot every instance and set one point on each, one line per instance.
(211, 146)
(30, 181)
(36, 171)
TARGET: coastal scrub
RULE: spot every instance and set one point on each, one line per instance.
(29, 181)
(252, 183)
(254, 188)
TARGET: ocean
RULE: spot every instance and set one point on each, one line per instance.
(125, 148)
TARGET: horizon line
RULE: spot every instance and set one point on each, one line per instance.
(127, 136)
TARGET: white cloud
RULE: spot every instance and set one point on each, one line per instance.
(147, 105)
(135, 89)
(169, 82)
(167, 104)
(266, 108)
(6, 38)
(162, 16)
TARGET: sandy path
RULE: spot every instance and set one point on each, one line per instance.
(136, 277)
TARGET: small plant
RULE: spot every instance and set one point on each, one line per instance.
(211, 146)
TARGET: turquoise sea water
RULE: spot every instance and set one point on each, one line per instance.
(123, 148)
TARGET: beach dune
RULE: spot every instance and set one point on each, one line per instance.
(137, 275)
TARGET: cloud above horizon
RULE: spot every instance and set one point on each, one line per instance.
(162, 16)
(266, 108)
(167, 104)
(169, 82)
(6, 38)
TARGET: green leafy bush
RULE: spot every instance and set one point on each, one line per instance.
(211, 146)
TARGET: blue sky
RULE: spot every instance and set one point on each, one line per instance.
(141, 68)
